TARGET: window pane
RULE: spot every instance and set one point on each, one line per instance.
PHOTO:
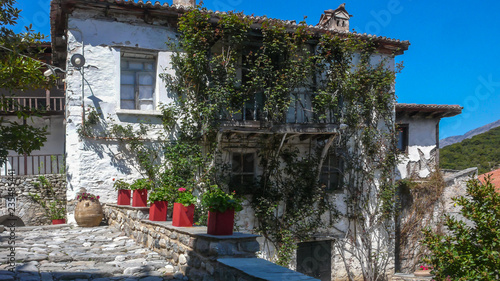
(148, 66)
(248, 164)
(236, 162)
(126, 104)
(135, 65)
(145, 79)
(145, 93)
(127, 78)
(146, 105)
(127, 92)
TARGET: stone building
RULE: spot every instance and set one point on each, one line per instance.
(122, 42)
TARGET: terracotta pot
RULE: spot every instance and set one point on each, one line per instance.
(140, 198)
(88, 213)
(422, 273)
(123, 197)
(59, 221)
(183, 216)
(220, 223)
(158, 211)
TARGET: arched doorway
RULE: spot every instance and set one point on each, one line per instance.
(8, 220)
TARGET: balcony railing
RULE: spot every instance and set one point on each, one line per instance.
(16, 103)
(301, 111)
(33, 165)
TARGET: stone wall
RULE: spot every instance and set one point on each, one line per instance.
(454, 185)
(194, 253)
(28, 211)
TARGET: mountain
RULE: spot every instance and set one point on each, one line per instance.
(454, 139)
(481, 151)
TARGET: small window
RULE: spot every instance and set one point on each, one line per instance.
(332, 173)
(242, 171)
(402, 137)
(137, 81)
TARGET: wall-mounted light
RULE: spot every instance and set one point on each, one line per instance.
(77, 60)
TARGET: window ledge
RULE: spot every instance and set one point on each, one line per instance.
(138, 112)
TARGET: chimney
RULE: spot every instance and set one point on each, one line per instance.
(337, 19)
(185, 3)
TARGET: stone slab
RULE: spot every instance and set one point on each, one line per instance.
(265, 270)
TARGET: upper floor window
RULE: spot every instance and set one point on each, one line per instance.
(402, 137)
(137, 81)
(332, 172)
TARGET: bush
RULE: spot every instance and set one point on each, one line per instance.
(469, 251)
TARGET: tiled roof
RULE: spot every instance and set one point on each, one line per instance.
(495, 178)
(148, 5)
(432, 110)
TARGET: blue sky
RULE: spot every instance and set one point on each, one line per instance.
(453, 58)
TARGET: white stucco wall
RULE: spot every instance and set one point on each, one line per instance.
(422, 147)
(93, 163)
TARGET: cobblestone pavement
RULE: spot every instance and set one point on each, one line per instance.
(76, 253)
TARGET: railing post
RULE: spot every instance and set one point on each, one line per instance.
(25, 164)
(47, 99)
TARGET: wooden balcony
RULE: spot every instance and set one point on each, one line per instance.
(300, 118)
(44, 105)
(33, 165)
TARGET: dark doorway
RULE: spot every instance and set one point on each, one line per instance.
(315, 259)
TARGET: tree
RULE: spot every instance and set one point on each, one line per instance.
(19, 71)
(469, 251)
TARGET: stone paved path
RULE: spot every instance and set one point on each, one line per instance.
(76, 253)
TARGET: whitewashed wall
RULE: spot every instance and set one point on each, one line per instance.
(422, 148)
(93, 163)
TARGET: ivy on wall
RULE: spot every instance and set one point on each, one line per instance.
(225, 61)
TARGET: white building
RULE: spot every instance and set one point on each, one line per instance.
(124, 47)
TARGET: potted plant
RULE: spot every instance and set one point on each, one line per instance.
(88, 211)
(140, 196)
(425, 271)
(158, 200)
(221, 207)
(123, 189)
(57, 212)
(54, 208)
(183, 208)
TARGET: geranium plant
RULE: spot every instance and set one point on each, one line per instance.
(120, 184)
(217, 200)
(160, 194)
(141, 184)
(185, 197)
(87, 196)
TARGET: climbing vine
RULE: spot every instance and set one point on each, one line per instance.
(223, 63)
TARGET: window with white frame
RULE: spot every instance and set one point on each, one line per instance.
(137, 81)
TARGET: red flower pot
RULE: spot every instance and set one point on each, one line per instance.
(59, 221)
(183, 216)
(123, 197)
(158, 211)
(140, 198)
(220, 223)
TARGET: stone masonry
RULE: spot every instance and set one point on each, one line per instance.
(63, 252)
(28, 211)
(197, 255)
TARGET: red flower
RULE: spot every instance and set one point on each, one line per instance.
(182, 189)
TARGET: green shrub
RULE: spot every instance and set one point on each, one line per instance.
(469, 252)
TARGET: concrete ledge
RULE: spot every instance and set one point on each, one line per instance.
(264, 270)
